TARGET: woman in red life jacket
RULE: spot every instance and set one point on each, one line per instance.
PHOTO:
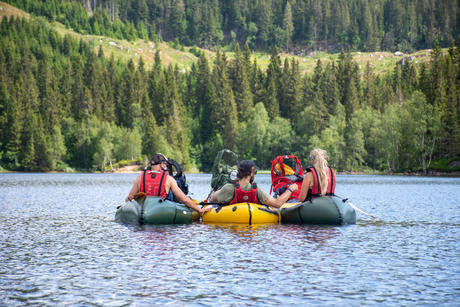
(244, 190)
(157, 182)
(320, 179)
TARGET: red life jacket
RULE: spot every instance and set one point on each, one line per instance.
(281, 181)
(153, 183)
(316, 188)
(242, 196)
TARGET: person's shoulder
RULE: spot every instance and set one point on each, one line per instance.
(259, 190)
(170, 179)
(227, 186)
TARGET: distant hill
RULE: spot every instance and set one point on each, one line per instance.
(183, 57)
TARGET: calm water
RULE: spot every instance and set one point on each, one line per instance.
(59, 245)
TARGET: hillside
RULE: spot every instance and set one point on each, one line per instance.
(381, 62)
(7, 10)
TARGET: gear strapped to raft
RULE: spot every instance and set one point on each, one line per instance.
(224, 169)
(284, 175)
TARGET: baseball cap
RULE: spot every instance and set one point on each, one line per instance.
(158, 158)
(246, 166)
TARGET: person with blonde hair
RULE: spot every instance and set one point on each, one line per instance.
(320, 178)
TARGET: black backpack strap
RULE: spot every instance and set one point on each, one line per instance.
(332, 181)
(317, 179)
(161, 182)
(143, 180)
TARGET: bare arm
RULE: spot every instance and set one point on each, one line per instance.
(182, 197)
(134, 189)
(306, 185)
(278, 202)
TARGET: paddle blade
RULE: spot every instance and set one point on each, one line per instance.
(139, 195)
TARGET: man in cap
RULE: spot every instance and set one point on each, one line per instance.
(157, 182)
(245, 190)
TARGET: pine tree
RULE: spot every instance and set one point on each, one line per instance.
(30, 123)
(223, 109)
(78, 88)
(369, 91)
(126, 108)
(270, 100)
(151, 135)
(11, 125)
(348, 80)
(240, 85)
(176, 121)
(273, 84)
(289, 96)
(288, 25)
(49, 96)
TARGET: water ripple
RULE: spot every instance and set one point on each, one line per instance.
(61, 246)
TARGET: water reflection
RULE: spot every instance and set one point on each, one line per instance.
(240, 230)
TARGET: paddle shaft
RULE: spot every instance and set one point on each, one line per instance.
(355, 207)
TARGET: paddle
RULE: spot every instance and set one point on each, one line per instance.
(139, 195)
(355, 207)
(291, 205)
(219, 204)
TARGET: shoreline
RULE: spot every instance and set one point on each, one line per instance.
(430, 173)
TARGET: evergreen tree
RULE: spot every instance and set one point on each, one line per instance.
(10, 131)
(240, 85)
(273, 84)
(347, 77)
(369, 91)
(49, 96)
(288, 25)
(224, 115)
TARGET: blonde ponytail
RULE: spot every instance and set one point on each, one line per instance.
(319, 158)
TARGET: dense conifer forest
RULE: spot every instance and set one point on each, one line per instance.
(294, 25)
(64, 106)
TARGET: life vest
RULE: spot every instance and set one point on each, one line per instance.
(315, 190)
(283, 176)
(242, 196)
(153, 183)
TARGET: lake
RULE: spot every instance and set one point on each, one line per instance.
(60, 246)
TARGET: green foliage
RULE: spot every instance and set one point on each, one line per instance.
(292, 25)
(64, 106)
(446, 165)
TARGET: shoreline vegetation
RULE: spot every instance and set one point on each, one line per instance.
(134, 169)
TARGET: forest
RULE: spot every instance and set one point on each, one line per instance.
(64, 106)
(297, 26)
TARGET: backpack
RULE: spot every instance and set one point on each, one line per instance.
(224, 169)
(284, 175)
(175, 171)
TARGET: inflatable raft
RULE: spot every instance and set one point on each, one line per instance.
(242, 213)
(154, 210)
(327, 210)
